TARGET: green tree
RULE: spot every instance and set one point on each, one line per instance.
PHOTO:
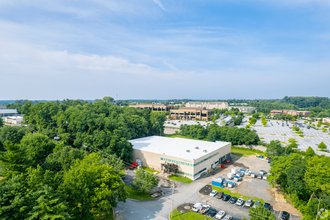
(255, 115)
(108, 99)
(322, 146)
(260, 213)
(157, 120)
(293, 142)
(264, 122)
(1, 122)
(144, 181)
(13, 134)
(310, 152)
(91, 187)
(274, 148)
(238, 120)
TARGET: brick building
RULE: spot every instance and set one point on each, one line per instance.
(291, 112)
(207, 105)
(154, 107)
(186, 113)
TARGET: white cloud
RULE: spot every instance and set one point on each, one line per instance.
(170, 66)
(159, 4)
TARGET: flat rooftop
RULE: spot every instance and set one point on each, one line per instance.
(8, 111)
(176, 147)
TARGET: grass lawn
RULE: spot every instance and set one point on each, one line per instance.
(283, 142)
(133, 194)
(148, 170)
(261, 138)
(190, 215)
(180, 179)
(323, 150)
(245, 198)
(245, 152)
(283, 134)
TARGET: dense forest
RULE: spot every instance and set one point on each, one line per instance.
(304, 176)
(69, 178)
(319, 106)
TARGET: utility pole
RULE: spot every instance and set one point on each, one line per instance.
(172, 199)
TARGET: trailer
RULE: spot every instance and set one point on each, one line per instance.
(217, 183)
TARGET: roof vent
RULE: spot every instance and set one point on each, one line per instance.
(204, 151)
(188, 150)
(196, 147)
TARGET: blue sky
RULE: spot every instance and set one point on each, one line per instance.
(157, 49)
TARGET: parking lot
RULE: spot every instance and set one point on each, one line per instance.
(276, 131)
(178, 123)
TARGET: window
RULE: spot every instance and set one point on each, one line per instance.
(206, 159)
(177, 162)
(199, 172)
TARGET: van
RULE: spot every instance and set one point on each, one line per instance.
(237, 178)
(234, 170)
(230, 176)
(197, 207)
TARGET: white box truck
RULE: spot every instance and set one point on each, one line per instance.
(230, 176)
(234, 170)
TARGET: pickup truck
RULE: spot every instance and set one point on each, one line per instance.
(205, 209)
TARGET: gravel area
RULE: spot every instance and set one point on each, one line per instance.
(256, 188)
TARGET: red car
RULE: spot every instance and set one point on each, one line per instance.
(133, 166)
(268, 158)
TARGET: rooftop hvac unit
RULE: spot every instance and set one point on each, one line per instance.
(196, 147)
(204, 151)
(188, 150)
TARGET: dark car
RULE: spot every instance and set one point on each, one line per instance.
(233, 200)
(236, 219)
(212, 212)
(220, 195)
(269, 161)
(267, 206)
(226, 197)
(285, 215)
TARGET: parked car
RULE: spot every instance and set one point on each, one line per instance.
(205, 209)
(220, 214)
(233, 200)
(242, 170)
(213, 193)
(263, 172)
(228, 217)
(256, 204)
(240, 202)
(237, 178)
(254, 175)
(268, 158)
(285, 215)
(197, 207)
(259, 176)
(269, 161)
(248, 172)
(267, 206)
(236, 219)
(219, 195)
(248, 203)
(264, 177)
(212, 212)
(226, 197)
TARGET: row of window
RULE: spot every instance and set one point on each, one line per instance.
(206, 158)
(199, 172)
(177, 162)
(186, 174)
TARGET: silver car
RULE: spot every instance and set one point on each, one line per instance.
(248, 203)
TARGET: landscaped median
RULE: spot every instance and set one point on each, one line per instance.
(148, 170)
(239, 196)
(136, 195)
(181, 179)
(190, 215)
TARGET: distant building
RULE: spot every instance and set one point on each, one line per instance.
(189, 113)
(207, 105)
(193, 157)
(291, 112)
(154, 107)
(244, 109)
(326, 120)
(8, 112)
(13, 120)
(238, 104)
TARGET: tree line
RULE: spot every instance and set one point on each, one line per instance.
(214, 132)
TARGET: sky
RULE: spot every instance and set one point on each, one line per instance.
(157, 49)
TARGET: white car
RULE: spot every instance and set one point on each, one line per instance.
(197, 207)
(248, 172)
(213, 193)
(240, 202)
(228, 217)
(265, 177)
(220, 214)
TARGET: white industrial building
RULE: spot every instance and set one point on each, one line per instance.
(193, 157)
(8, 112)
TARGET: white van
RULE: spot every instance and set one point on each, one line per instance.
(197, 207)
(230, 176)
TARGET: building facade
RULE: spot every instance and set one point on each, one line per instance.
(244, 109)
(154, 107)
(291, 112)
(193, 157)
(207, 105)
(186, 113)
(326, 120)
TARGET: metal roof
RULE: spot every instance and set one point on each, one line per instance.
(8, 111)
